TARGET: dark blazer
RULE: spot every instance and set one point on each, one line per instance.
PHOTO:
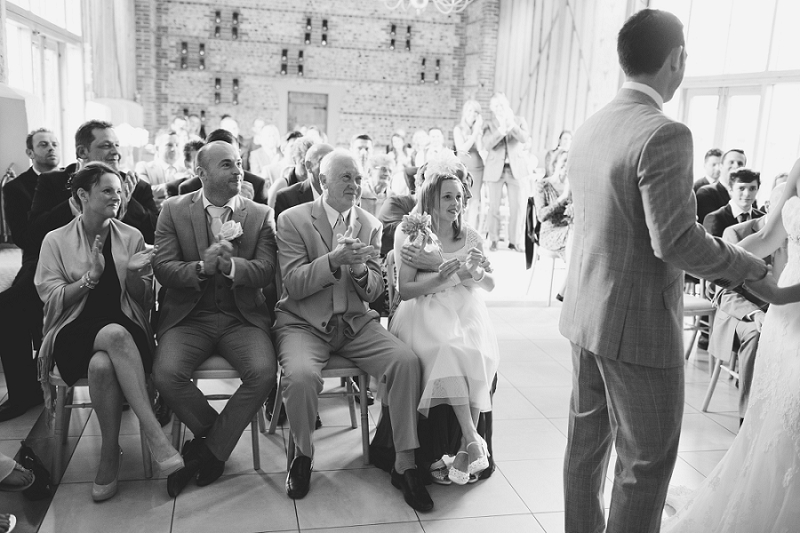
(17, 200)
(716, 221)
(702, 182)
(260, 197)
(710, 198)
(391, 215)
(296, 194)
(50, 209)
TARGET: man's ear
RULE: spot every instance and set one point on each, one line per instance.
(81, 152)
(307, 165)
(29, 153)
(322, 181)
(676, 58)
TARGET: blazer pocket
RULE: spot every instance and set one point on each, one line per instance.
(673, 293)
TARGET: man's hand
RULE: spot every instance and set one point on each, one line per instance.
(210, 259)
(417, 257)
(351, 251)
(247, 190)
(224, 255)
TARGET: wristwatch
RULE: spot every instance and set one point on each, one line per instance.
(201, 273)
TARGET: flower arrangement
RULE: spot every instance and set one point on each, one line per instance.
(229, 231)
(418, 228)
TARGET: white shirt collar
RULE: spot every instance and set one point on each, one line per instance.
(313, 189)
(333, 214)
(35, 171)
(646, 89)
(231, 204)
(736, 210)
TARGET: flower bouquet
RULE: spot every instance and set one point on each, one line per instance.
(417, 227)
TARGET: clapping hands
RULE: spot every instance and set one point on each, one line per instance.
(97, 263)
(140, 260)
(218, 256)
(351, 251)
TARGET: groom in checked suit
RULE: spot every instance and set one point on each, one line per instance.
(635, 233)
(213, 304)
(328, 253)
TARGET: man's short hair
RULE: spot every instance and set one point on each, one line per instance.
(646, 40)
(745, 175)
(714, 152)
(85, 134)
(163, 136)
(29, 138)
(191, 146)
(737, 150)
(300, 148)
(380, 160)
(362, 137)
(292, 135)
(222, 135)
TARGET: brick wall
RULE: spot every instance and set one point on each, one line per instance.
(378, 90)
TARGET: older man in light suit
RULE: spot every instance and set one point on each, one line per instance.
(505, 137)
(215, 253)
(328, 253)
(635, 233)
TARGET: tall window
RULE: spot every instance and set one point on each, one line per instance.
(742, 85)
(45, 60)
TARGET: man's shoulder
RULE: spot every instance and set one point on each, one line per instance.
(299, 211)
(707, 190)
(366, 218)
(22, 182)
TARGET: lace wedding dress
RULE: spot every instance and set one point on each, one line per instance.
(756, 486)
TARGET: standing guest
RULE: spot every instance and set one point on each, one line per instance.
(252, 185)
(361, 147)
(20, 307)
(712, 197)
(190, 150)
(711, 167)
(164, 168)
(296, 173)
(435, 143)
(215, 254)
(635, 231)
(195, 129)
(506, 164)
(280, 164)
(328, 256)
(376, 189)
(96, 282)
(448, 327)
(402, 161)
(564, 144)
(419, 145)
(310, 188)
(467, 135)
(268, 152)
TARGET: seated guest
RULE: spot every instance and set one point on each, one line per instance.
(712, 197)
(448, 326)
(711, 166)
(376, 189)
(164, 168)
(215, 254)
(20, 307)
(95, 280)
(252, 186)
(190, 150)
(294, 174)
(743, 189)
(53, 206)
(310, 188)
(328, 256)
(392, 212)
(551, 197)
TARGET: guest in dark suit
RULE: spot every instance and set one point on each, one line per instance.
(307, 190)
(711, 166)
(328, 254)
(744, 185)
(20, 307)
(712, 197)
(254, 188)
(190, 150)
(213, 276)
(52, 206)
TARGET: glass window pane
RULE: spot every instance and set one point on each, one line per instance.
(741, 123)
(51, 87)
(702, 120)
(748, 39)
(24, 4)
(20, 63)
(679, 8)
(784, 48)
(74, 16)
(783, 135)
(708, 37)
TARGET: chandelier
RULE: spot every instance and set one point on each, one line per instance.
(445, 6)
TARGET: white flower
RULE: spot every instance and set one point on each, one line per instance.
(230, 230)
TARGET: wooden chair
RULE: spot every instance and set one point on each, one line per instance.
(216, 367)
(718, 366)
(695, 307)
(538, 254)
(63, 407)
(337, 367)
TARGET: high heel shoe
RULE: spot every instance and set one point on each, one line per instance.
(101, 493)
(482, 463)
(170, 464)
(459, 477)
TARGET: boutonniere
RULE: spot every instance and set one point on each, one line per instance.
(230, 231)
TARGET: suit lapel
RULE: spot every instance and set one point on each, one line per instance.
(320, 222)
(199, 223)
(356, 223)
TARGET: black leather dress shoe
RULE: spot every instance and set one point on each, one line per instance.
(177, 481)
(299, 479)
(414, 491)
(209, 472)
(11, 409)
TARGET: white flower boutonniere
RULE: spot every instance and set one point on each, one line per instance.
(230, 230)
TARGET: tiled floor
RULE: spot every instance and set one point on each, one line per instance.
(523, 495)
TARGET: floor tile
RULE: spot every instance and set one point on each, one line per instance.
(527, 439)
(700, 433)
(510, 404)
(540, 483)
(551, 522)
(490, 497)
(552, 402)
(398, 527)
(519, 522)
(538, 373)
(703, 462)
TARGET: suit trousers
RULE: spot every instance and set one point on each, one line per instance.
(643, 408)
(748, 334)
(183, 348)
(303, 353)
(21, 331)
(514, 206)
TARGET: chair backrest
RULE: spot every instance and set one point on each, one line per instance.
(392, 290)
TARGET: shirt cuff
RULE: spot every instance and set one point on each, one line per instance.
(233, 270)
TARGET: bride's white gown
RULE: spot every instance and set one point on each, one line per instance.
(756, 486)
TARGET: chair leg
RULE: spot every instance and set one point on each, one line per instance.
(695, 329)
(262, 420)
(363, 383)
(147, 461)
(58, 434)
(176, 432)
(713, 384)
(69, 398)
(256, 450)
(351, 399)
(273, 424)
(533, 270)
(552, 275)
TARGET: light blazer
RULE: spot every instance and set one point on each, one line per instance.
(182, 237)
(635, 232)
(308, 284)
(515, 140)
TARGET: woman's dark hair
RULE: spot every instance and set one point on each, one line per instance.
(646, 40)
(88, 177)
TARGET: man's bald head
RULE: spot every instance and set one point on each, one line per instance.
(313, 159)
